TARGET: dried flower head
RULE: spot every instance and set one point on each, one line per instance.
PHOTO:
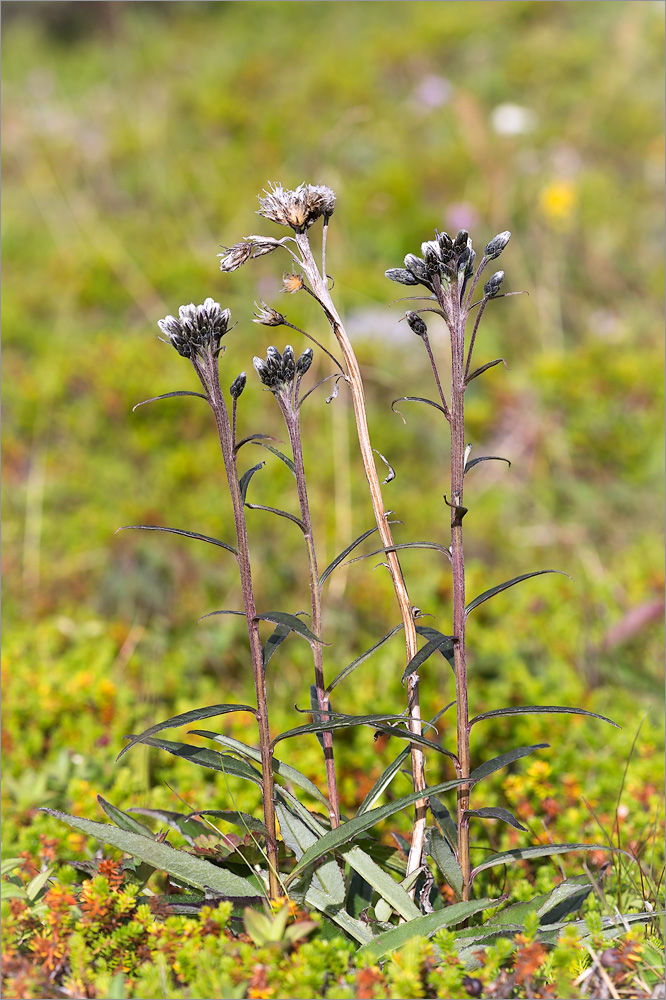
(198, 329)
(267, 316)
(299, 208)
(278, 371)
(235, 256)
(292, 282)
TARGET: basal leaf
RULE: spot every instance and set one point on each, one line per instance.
(185, 824)
(487, 594)
(502, 760)
(495, 812)
(169, 395)
(178, 531)
(541, 851)
(244, 480)
(185, 867)
(280, 513)
(362, 658)
(421, 927)
(539, 709)
(240, 819)
(194, 715)
(122, 820)
(292, 622)
(388, 888)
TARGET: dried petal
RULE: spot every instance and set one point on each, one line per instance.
(299, 208)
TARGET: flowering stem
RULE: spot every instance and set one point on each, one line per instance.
(291, 414)
(208, 373)
(320, 289)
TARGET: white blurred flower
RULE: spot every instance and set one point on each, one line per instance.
(513, 119)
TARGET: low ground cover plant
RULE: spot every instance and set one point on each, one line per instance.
(445, 899)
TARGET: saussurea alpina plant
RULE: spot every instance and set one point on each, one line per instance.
(361, 896)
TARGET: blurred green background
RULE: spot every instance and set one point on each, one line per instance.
(136, 138)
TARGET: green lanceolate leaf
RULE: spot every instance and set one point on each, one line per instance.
(169, 395)
(377, 722)
(415, 399)
(567, 897)
(273, 642)
(362, 658)
(495, 812)
(338, 559)
(337, 838)
(253, 437)
(178, 531)
(291, 622)
(283, 458)
(183, 720)
(426, 651)
(285, 771)
(124, 821)
(496, 763)
(244, 480)
(540, 709)
(185, 824)
(541, 851)
(383, 782)
(444, 820)
(224, 611)
(243, 820)
(485, 458)
(444, 857)
(388, 888)
(421, 927)
(205, 758)
(484, 368)
(183, 866)
(280, 513)
(403, 545)
(487, 594)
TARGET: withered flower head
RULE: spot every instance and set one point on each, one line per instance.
(267, 316)
(235, 256)
(299, 208)
(292, 282)
(278, 371)
(198, 329)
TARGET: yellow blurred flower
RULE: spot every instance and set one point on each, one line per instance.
(557, 202)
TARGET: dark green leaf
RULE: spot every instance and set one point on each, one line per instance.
(426, 651)
(485, 458)
(183, 720)
(244, 480)
(390, 890)
(279, 767)
(383, 782)
(567, 897)
(275, 640)
(495, 812)
(377, 722)
(188, 826)
(421, 927)
(168, 395)
(415, 399)
(280, 513)
(284, 458)
(334, 839)
(539, 709)
(444, 820)
(177, 531)
(487, 594)
(240, 819)
(338, 559)
(292, 622)
(362, 658)
(496, 763)
(183, 866)
(442, 854)
(211, 614)
(403, 545)
(484, 368)
(124, 821)
(206, 758)
(541, 851)
(253, 437)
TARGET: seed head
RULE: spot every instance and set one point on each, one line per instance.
(292, 282)
(268, 316)
(492, 286)
(497, 244)
(416, 324)
(238, 385)
(299, 208)
(198, 329)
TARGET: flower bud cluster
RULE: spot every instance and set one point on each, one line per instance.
(278, 371)
(198, 329)
(445, 258)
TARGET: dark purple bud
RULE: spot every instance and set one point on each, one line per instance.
(472, 986)
(445, 243)
(497, 244)
(238, 385)
(288, 364)
(417, 267)
(304, 361)
(274, 359)
(460, 241)
(492, 286)
(416, 324)
(401, 275)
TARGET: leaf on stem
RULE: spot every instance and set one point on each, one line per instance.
(274, 451)
(487, 594)
(403, 545)
(185, 867)
(485, 458)
(377, 722)
(389, 890)
(280, 513)
(291, 622)
(539, 709)
(383, 782)
(490, 766)
(178, 531)
(255, 438)
(194, 715)
(444, 820)
(240, 819)
(338, 559)
(484, 368)
(447, 651)
(274, 641)
(425, 652)
(362, 658)
(495, 812)
(244, 480)
(391, 471)
(442, 853)
(541, 851)
(169, 395)
(204, 757)
(210, 614)
(415, 399)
